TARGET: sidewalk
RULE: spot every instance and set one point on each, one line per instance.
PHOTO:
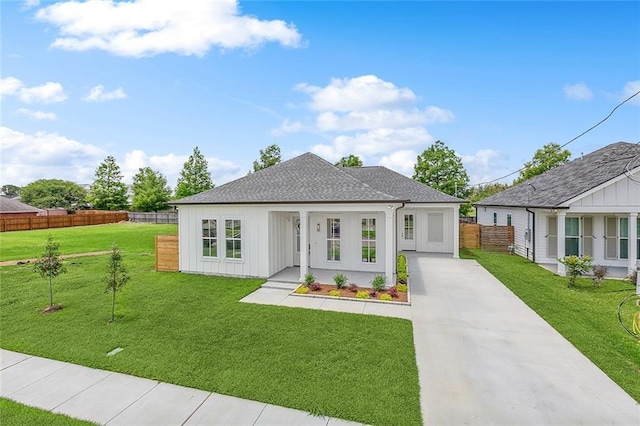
(112, 398)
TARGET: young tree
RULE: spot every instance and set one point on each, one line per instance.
(440, 168)
(52, 193)
(150, 191)
(10, 191)
(116, 277)
(268, 157)
(108, 191)
(350, 161)
(194, 176)
(546, 158)
(50, 266)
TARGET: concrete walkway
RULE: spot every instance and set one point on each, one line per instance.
(111, 398)
(484, 357)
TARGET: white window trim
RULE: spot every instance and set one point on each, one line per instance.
(201, 250)
(327, 239)
(242, 245)
(375, 240)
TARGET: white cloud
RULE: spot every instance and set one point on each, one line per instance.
(97, 94)
(362, 93)
(435, 114)
(400, 161)
(47, 93)
(287, 127)
(577, 92)
(28, 157)
(629, 89)
(36, 115)
(28, 4)
(484, 165)
(149, 27)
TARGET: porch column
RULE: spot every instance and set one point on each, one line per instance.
(456, 232)
(304, 243)
(562, 271)
(633, 245)
(390, 255)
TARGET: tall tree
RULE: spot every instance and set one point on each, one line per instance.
(116, 277)
(10, 191)
(50, 266)
(53, 193)
(546, 158)
(440, 168)
(108, 191)
(150, 191)
(268, 157)
(194, 176)
(350, 161)
(483, 191)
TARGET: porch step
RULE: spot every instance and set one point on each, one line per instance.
(280, 285)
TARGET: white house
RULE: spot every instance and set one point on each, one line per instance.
(307, 212)
(588, 206)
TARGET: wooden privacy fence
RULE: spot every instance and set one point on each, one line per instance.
(167, 253)
(488, 238)
(154, 217)
(45, 222)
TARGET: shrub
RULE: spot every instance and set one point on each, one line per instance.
(362, 294)
(576, 266)
(302, 290)
(599, 272)
(314, 286)
(309, 279)
(340, 280)
(393, 291)
(353, 288)
(402, 277)
(379, 282)
(373, 293)
(384, 296)
(401, 288)
(632, 277)
(402, 263)
(334, 293)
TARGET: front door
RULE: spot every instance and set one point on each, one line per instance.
(408, 232)
(296, 241)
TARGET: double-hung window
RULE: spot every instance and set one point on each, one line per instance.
(369, 240)
(623, 239)
(333, 239)
(233, 238)
(209, 238)
(572, 236)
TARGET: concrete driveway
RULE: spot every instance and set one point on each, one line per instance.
(484, 357)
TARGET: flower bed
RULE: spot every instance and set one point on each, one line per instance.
(346, 293)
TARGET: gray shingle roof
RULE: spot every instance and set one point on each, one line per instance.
(559, 185)
(310, 179)
(8, 205)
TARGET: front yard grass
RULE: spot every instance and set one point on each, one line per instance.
(14, 414)
(584, 315)
(137, 237)
(192, 331)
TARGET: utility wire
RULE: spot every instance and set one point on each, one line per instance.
(567, 143)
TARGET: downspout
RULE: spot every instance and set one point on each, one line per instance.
(395, 243)
(533, 232)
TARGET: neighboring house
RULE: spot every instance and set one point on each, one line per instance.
(307, 212)
(14, 208)
(588, 206)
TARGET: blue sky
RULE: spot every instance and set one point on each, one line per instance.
(146, 81)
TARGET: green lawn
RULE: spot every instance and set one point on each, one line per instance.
(191, 330)
(14, 414)
(585, 315)
(136, 237)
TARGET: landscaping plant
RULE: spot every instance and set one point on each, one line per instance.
(393, 291)
(340, 280)
(384, 296)
(362, 294)
(334, 293)
(576, 266)
(353, 287)
(116, 276)
(309, 279)
(599, 272)
(50, 266)
(379, 282)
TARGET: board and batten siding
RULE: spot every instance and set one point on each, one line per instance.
(621, 196)
(521, 220)
(421, 227)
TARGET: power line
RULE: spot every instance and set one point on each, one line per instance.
(567, 143)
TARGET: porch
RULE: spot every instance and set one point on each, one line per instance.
(613, 272)
(291, 275)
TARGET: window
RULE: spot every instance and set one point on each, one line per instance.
(209, 238)
(623, 241)
(508, 219)
(369, 240)
(333, 239)
(572, 236)
(408, 227)
(495, 218)
(233, 238)
(610, 235)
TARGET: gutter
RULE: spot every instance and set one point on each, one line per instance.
(533, 232)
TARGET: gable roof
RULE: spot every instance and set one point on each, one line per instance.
(560, 184)
(8, 205)
(309, 179)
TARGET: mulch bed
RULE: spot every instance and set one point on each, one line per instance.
(345, 292)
